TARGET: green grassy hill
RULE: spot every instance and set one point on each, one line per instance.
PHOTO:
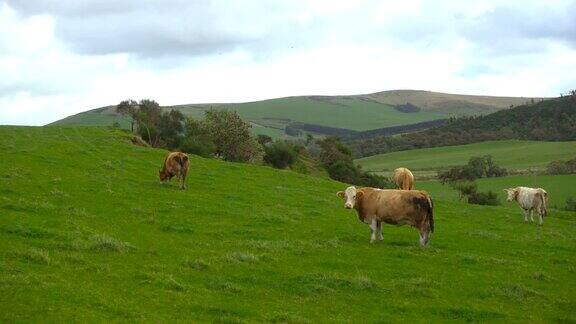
(356, 112)
(88, 234)
(559, 187)
(511, 154)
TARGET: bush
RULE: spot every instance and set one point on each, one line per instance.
(477, 167)
(343, 171)
(231, 136)
(469, 192)
(280, 154)
(570, 204)
(201, 146)
(375, 181)
(484, 198)
(562, 167)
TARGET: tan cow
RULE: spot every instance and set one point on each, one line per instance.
(404, 179)
(175, 164)
(396, 207)
(529, 199)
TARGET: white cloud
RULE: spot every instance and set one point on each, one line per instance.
(271, 49)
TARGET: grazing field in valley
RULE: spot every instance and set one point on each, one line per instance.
(559, 187)
(88, 234)
(511, 154)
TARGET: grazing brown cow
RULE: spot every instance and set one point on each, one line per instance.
(396, 207)
(404, 179)
(176, 164)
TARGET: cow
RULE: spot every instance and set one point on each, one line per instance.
(404, 179)
(396, 207)
(175, 164)
(529, 199)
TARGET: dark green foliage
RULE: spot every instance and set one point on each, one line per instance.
(549, 120)
(280, 154)
(197, 140)
(232, 137)
(337, 159)
(470, 193)
(562, 167)
(407, 108)
(570, 204)
(157, 127)
(263, 139)
(477, 167)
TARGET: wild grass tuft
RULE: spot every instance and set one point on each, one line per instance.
(105, 243)
(38, 256)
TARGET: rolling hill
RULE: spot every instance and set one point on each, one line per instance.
(87, 234)
(549, 120)
(511, 154)
(354, 113)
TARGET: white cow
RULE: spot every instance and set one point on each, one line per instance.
(529, 199)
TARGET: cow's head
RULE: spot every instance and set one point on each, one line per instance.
(350, 196)
(163, 175)
(511, 194)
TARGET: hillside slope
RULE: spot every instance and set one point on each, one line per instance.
(354, 112)
(88, 234)
(511, 154)
(549, 120)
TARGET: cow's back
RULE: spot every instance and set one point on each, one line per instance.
(393, 206)
(403, 178)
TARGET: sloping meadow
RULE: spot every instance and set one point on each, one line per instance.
(87, 233)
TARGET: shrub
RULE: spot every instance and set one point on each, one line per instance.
(477, 167)
(201, 146)
(280, 154)
(343, 171)
(562, 167)
(231, 136)
(469, 192)
(570, 204)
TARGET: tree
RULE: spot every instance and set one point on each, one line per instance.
(280, 154)
(232, 137)
(128, 108)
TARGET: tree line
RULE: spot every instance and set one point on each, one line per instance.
(223, 134)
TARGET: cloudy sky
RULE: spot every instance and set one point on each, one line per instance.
(59, 57)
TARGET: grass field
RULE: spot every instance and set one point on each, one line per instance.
(511, 154)
(88, 234)
(559, 187)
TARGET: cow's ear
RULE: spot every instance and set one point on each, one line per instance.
(359, 194)
(340, 194)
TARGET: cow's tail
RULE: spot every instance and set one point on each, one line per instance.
(407, 181)
(430, 214)
(544, 198)
(182, 160)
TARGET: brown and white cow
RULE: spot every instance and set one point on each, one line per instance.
(396, 207)
(404, 179)
(175, 164)
(529, 199)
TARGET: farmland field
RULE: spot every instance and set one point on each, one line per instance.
(559, 187)
(512, 154)
(88, 234)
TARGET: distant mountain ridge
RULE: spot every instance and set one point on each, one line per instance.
(356, 113)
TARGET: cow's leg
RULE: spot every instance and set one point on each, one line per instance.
(531, 212)
(525, 211)
(182, 178)
(373, 230)
(379, 231)
(424, 235)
